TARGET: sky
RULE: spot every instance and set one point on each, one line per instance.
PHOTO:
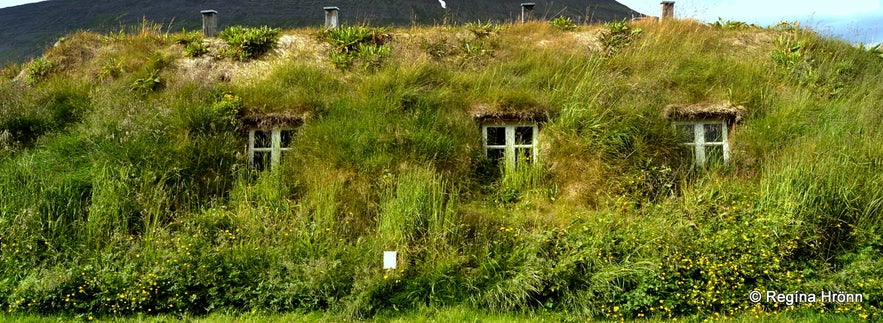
(853, 20)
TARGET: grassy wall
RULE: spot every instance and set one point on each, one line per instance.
(125, 188)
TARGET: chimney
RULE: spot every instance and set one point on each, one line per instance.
(526, 10)
(331, 16)
(209, 22)
(668, 10)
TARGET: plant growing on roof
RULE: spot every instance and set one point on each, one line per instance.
(38, 69)
(617, 35)
(192, 42)
(563, 23)
(356, 42)
(245, 43)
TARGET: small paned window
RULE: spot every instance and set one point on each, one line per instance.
(512, 143)
(708, 140)
(267, 146)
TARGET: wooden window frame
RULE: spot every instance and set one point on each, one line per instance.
(276, 149)
(509, 147)
(699, 144)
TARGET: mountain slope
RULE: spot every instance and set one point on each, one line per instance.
(27, 29)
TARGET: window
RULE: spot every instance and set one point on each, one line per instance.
(708, 138)
(514, 143)
(266, 146)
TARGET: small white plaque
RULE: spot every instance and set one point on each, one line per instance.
(389, 259)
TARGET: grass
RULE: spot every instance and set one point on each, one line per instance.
(124, 203)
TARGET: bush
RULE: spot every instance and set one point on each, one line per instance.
(617, 35)
(245, 43)
(146, 84)
(563, 23)
(193, 43)
(349, 44)
(38, 69)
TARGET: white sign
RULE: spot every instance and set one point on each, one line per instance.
(389, 259)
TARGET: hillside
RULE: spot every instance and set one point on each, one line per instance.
(617, 171)
(27, 29)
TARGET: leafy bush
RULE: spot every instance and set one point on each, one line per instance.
(617, 35)
(245, 43)
(38, 69)
(148, 83)
(733, 25)
(111, 69)
(483, 29)
(193, 43)
(563, 23)
(10, 70)
(349, 44)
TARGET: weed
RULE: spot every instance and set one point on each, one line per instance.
(617, 35)
(563, 23)
(147, 83)
(352, 43)
(245, 43)
(483, 29)
(111, 69)
(733, 25)
(193, 43)
(38, 69)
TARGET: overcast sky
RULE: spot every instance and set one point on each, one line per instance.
(853, 20)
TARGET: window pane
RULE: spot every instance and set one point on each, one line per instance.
(261, 160)
(714, 154)
(523, 135)
(496, 136)
(686, 132)
(287, 137)
(495, 154)
(261, 139)
(714, 132)
(523, 155)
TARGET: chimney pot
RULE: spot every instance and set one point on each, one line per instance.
(668, 10)
(331, 14)
(526, 10)
(209, 22)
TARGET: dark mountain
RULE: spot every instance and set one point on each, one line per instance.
(27, 29)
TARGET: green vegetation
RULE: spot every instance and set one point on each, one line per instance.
(193, 43)
(352, 43)
(132, 196)
(563, 23)
(38, 69)
(245, 43)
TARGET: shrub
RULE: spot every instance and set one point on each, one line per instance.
(563, 23)
(38, 69)
(349, 44)
(10, 70)
(483, 29)
(146, 84)
(617, 35)
(111, 69)
(193, 43)
(245, 43)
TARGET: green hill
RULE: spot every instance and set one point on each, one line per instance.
(129, 179)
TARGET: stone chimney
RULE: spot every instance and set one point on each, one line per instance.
(209, 22)
(331, 16)
(668, 10)
(526, 11)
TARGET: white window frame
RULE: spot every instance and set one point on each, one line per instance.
(698, 144)
(509, 147)
(275, 148)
